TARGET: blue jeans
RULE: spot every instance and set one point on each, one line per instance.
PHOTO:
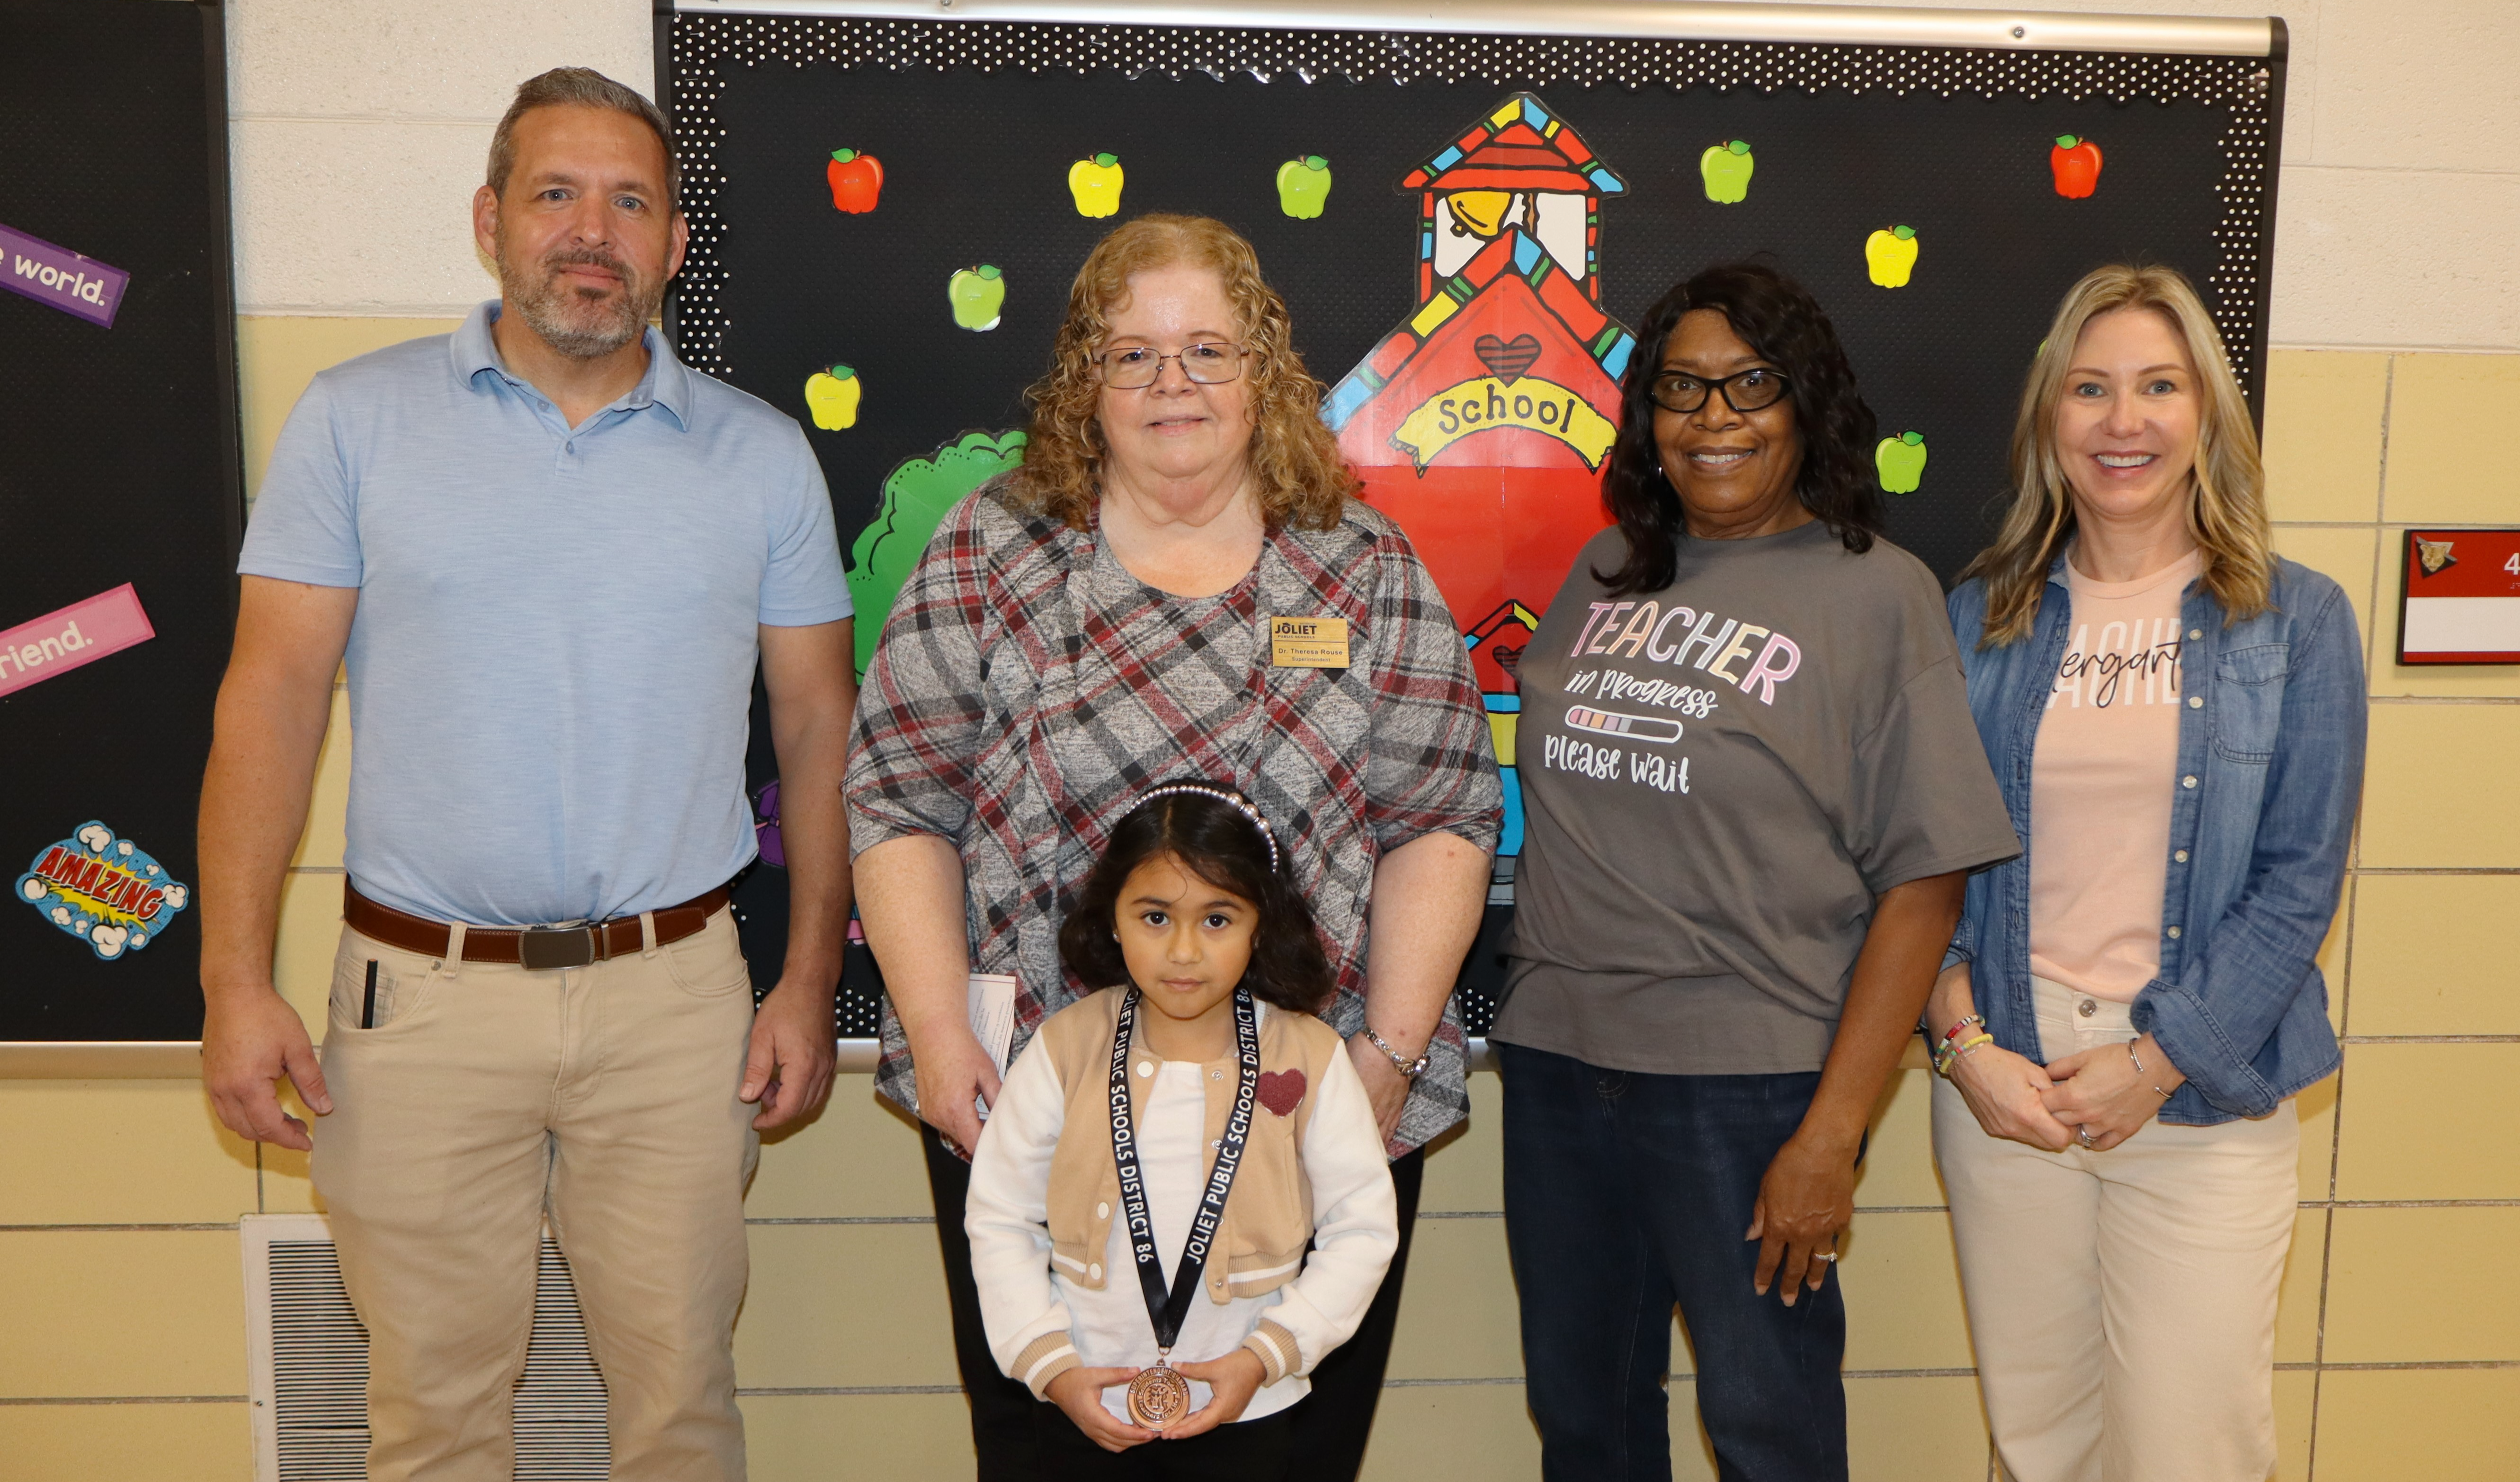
(1625, 1194)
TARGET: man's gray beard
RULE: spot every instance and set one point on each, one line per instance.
(548, 309)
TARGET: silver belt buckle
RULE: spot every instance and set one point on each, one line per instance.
(543, 949)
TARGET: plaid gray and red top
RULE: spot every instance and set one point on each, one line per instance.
(1028, 689)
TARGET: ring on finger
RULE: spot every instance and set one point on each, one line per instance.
(2083, 1134)
(1824, 1255)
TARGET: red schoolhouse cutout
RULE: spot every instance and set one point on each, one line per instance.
(1482, 421)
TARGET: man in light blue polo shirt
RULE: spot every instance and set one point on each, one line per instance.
(552, 555)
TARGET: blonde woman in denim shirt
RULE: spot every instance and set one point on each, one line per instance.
(2176, 715)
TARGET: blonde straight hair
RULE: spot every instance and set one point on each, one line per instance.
(2227, 511)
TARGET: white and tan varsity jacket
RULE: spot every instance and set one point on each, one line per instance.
(1045, 1190)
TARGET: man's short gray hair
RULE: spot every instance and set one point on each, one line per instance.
(580, 87)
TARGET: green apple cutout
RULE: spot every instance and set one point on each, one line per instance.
(1727, 168)
(1901, 461)
(1304, 187)
(977, 294)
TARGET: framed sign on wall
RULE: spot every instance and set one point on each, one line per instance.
(2458, 597)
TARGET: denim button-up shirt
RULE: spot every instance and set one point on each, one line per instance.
(2262, 807)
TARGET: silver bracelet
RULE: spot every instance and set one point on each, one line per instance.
(2142, 1074)
(1407, 1068)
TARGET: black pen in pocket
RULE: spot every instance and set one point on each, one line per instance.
(368, 1015)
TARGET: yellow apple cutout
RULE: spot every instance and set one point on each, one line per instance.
(1891, 255)
(1096, 185)
(833, 397)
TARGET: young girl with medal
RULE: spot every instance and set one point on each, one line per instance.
(1164, 1150)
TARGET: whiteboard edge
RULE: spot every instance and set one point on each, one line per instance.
(1703, 20)
(99, 1059)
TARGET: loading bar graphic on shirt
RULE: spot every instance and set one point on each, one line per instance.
(1660, 729)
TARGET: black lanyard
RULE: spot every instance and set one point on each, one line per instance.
(1167, 1308)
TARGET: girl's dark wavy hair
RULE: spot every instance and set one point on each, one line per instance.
(1780, 319)
(1214, 841)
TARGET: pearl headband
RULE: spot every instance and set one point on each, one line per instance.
(1229, 800)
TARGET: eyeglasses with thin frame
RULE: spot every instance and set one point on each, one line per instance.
(1135, 367)
(1743, 391)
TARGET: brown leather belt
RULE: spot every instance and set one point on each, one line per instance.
(538, 948)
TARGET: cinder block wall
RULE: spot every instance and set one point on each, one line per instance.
(357, 140)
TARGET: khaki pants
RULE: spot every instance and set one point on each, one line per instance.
(2122, 1303)
(487, 1095)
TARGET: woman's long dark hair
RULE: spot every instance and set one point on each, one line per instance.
(1216, 841)
(1778, 318)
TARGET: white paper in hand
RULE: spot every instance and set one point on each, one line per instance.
(993, 1014)
(993, 1023)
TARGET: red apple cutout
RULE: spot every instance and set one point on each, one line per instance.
(856, 181)
(2076, 164)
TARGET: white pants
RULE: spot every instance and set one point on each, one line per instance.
(2122, 1303)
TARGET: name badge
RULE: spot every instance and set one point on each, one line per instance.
(1308, 643)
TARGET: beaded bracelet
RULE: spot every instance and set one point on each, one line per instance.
(1944, 1051)
(1948, 1056)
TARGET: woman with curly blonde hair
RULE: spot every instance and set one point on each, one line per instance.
(2176, 715)
(1298, 477)
(1106, 615)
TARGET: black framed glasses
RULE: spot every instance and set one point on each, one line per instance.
(1743, 390)
(1135, 367)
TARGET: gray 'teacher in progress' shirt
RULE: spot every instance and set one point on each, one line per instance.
(1717, 778)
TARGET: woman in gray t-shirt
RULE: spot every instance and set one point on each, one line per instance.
(1752, 791)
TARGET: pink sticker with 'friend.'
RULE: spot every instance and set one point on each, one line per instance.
(81, 633)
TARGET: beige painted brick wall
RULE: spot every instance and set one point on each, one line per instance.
(2359, 445)
(118, 1275)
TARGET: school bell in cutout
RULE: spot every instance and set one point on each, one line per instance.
(1480, 423)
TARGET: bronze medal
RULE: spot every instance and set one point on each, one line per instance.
(1158, 1396)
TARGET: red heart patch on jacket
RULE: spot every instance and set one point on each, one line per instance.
(1282, 1091)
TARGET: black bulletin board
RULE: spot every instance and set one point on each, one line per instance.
(977, 125)
(118, 463)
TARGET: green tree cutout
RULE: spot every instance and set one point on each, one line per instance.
(917, 493)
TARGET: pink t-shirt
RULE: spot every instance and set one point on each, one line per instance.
(2100, 785)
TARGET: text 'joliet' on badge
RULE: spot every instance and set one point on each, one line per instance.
(69, 280)
(1308, 643)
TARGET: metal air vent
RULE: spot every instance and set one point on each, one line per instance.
(307, 1356)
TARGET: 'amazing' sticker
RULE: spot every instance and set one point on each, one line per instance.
(103, 890)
